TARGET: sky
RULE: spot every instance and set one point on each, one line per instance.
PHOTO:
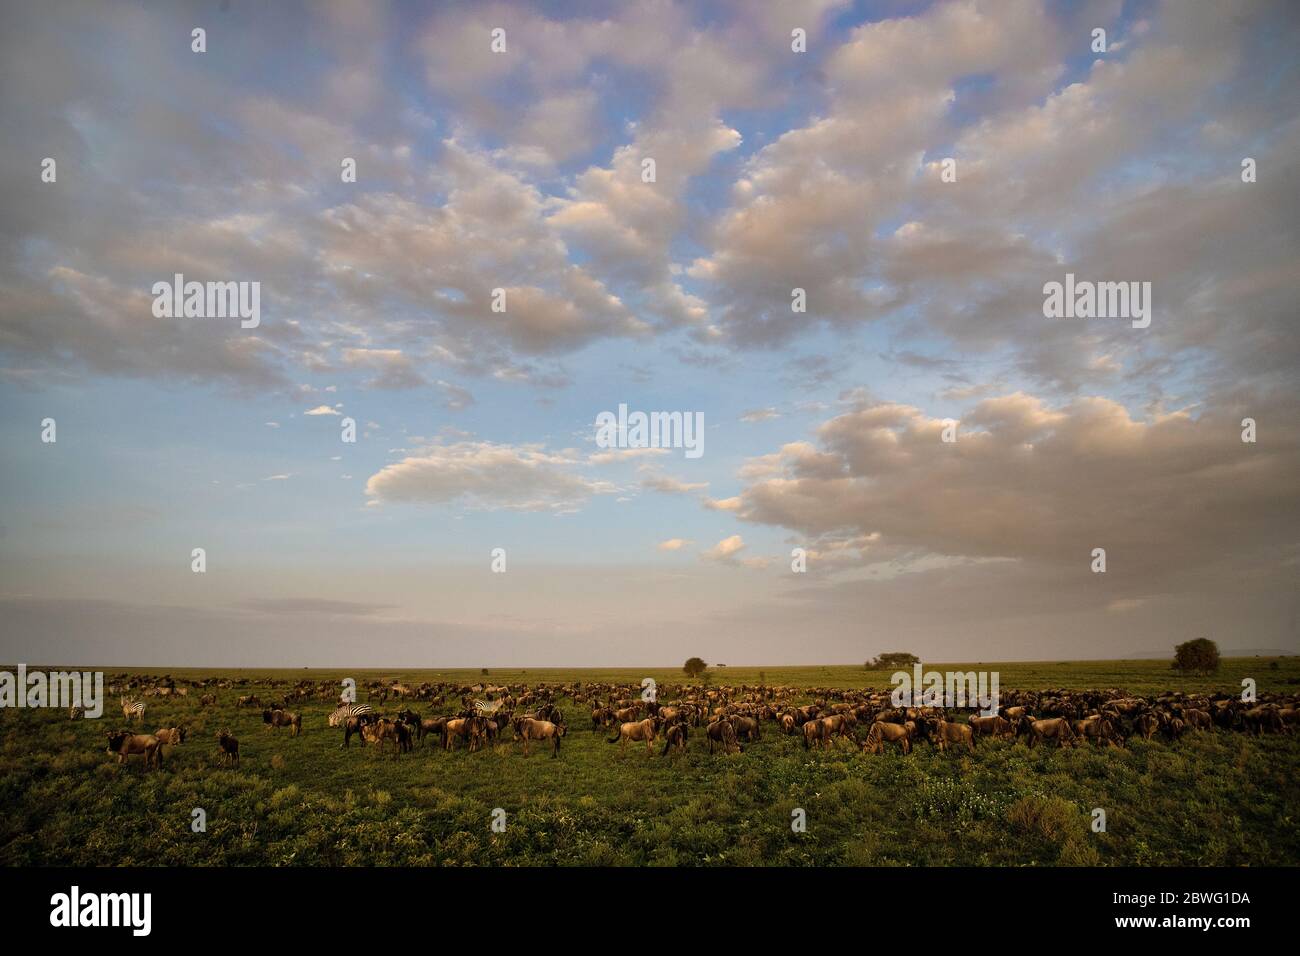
(827, 518)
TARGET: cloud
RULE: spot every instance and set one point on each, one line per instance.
(322, 410)
(394, 369)
(672, 544)
(668, 485)
(455, 398)
(485, 476)
(1167, 497)
(726, 549)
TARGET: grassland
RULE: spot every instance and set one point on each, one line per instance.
(1213, 798)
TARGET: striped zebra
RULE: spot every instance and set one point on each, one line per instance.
(132, 709)
(342, 715)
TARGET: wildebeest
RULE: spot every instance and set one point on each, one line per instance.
(383, 730)
(1054, 728)
(816, 733)
(1261, 718)
(635, 730)
(431, 726)
(229, 747)
(124, 743)
(601, 717)
(1099, 729)
(170, 735)
(1147, 725)
(746, 727)
(471, 729)
(882, 733)
(992, 726)
(283, 718)
(945, 732)
(675, 738)
(528, 728)
(722, 732)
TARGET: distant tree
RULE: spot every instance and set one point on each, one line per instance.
(1198, 656)
(694, 667)
(484, 672)
(893, 659)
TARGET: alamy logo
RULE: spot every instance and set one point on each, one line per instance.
(103, 909)
(53, 689)
(652, 430)
(208, 300)
(946, 689)
(1098, 300)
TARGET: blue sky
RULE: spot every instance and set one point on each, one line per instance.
(521, 170)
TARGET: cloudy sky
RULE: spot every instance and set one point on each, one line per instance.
(524, 170)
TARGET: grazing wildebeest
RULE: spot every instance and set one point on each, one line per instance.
(353, 725)
(124, 743)
(382, 730)
(1261, 718)
(840, 725)
(882, 733)
(992, 726)
(601, 717)
(1147, 724)
(528, 728)
(722, 732)
(431, 726)
(816, 733)
(675, 738)
(1098, 729)
(746, 727)
(229, 747)
(283, 718)
(945, 732)
(170, 735)
(635, 730)
(1055, 728)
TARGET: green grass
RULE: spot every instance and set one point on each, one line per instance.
(1213, 798)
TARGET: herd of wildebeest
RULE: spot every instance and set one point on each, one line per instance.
(726, 718)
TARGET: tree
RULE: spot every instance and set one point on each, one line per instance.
(893, 659)
(1200, 655)
(694, 667)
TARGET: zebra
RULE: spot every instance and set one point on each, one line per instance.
(347, 711)
(133, 709)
